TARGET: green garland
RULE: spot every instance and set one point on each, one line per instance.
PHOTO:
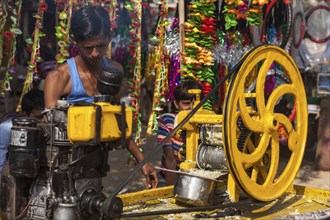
(200, 40)
(12, 8)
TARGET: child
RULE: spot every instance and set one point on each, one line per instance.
(183, 100)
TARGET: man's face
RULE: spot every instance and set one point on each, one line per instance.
(94, 49)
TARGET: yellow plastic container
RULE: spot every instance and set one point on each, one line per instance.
(86, 124)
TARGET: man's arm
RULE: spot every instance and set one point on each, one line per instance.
(171, 164)
(147, 170)
(55, 87)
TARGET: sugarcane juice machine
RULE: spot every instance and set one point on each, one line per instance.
(244, 139)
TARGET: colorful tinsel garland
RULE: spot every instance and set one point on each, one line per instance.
(160, 72)
(35, 54)
(11, 9)
(200, 39)
(64, 11)
(134, 9)
(243, 9)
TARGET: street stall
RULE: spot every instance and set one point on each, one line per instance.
(245, 137)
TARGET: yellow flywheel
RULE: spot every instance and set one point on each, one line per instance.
(265, 98)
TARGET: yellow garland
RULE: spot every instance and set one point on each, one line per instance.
(112, 15)
(36, 46)
(15, 25)
(68, 19)
(150, 63)
(137, 75)
(3, 20)
(62, 32)
(158, 76)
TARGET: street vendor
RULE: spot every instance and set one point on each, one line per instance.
(76, 79)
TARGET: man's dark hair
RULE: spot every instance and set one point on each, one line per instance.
(181, 92)
(33, 100)
(90, 21)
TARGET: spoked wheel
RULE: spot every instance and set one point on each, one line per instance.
(259, 102)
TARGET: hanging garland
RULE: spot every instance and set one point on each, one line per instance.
(200, 38)
(35, 53)
(3, 19)
(64, 9)
(134, 65)
(160, 72)
(173, 49)
(240, 9)
(112, 8)
(12, 8)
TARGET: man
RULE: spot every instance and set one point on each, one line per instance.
(76, 79)
(32, 105)
(183, 100)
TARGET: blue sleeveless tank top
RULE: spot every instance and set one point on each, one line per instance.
(77, 91)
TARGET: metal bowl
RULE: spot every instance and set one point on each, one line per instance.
(193, 190)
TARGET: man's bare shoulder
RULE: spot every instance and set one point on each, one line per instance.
(62, 72)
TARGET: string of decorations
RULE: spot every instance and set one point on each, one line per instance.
(35, 53)
(173, 49)
(160, 72)
(240, 9)
(200, 38)
(64, 11)
(12, 9)
(134, 65)
(112, 8)
(3, 19)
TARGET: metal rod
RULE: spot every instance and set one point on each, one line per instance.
(219, 179)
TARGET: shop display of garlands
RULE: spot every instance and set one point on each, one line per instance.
(206, 39)
(203, 40)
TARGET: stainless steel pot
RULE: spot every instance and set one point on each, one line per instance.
(193, 190)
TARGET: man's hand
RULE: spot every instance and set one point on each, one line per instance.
(147, 170)
(151, 176)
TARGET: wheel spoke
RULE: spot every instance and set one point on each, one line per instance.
(252, 123)
(275, 155)
(256, 155)
(292, 134)
(255, 173)
(263, 172)
(260, 86)
(259, 171)
(251, 148)
(277, 94)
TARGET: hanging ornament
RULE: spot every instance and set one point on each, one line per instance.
(199, 42)
(13, 9)
(134, 9)
(35, 54)
(3, 19)
(62, 29)
(160, 72)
